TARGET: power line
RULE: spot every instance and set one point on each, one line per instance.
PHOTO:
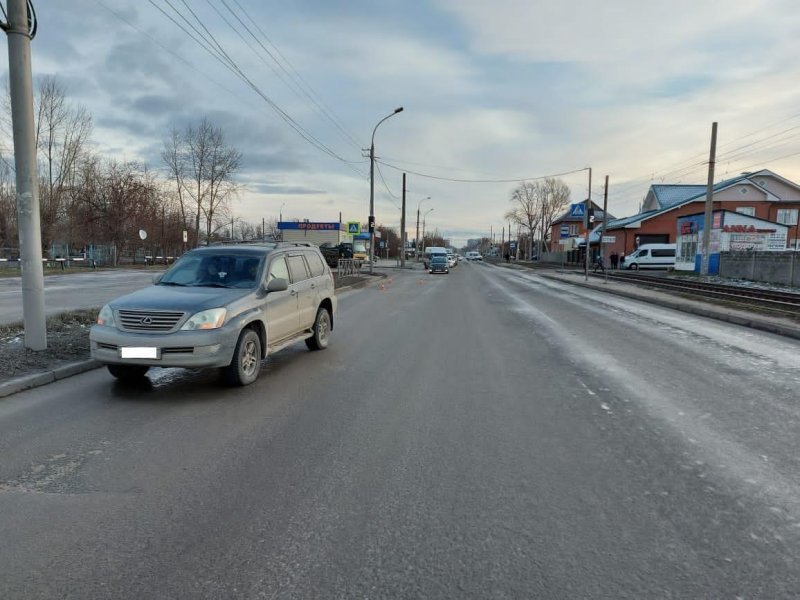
(318, 106)
(222, 57)
(512, 180)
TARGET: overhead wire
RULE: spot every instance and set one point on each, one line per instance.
(222, 57)
(456, 180)
(293, 75)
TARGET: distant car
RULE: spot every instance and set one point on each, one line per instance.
(473, 255)
(437, 263)
(452, 261)
(220, 306)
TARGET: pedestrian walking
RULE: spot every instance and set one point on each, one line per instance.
(614, 260)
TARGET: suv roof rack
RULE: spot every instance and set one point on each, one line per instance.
(303, 244)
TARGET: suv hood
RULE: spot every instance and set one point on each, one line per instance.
(188, 299)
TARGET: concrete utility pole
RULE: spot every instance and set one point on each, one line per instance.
(416, 243)
(709, 202)
(588, 223)
(603, 230)
(30, 236)
(403, 227)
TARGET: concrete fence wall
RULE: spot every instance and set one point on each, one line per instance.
(769, 267)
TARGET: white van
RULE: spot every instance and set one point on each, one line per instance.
(651, 256)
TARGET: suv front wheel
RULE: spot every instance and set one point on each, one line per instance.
(246, 362)
(322, 331)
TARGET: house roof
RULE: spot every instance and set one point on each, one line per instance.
(672, 194)
(567, 218)
(625, 221)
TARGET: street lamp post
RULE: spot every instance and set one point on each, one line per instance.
(416, 239)
(372, 190)
(280, 218)
(423, 228)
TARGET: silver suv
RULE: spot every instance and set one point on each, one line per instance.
(220, 306)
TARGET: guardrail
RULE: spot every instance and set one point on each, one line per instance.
(51, 263)
(347, 267)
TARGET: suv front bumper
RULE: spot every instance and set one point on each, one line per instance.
(190, 349)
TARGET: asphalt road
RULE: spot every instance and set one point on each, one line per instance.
(486, 434)
(74, 291)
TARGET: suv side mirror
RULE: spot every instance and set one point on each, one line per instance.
(278, 285)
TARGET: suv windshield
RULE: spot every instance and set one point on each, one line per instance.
(229, 270)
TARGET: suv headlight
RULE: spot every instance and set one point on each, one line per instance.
(106, 316)
(213, 318)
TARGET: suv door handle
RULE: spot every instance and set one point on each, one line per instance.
(313, 285)
(293, 292)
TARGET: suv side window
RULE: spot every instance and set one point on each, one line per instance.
(315, 264)
(297, 267)
(278, 270)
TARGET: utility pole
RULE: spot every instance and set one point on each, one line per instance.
(30, 235)
(603, 230)
(587, 222)
(416, 239)
(403, 227)
(709, 202)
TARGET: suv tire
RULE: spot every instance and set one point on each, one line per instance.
(246, 361)
(128, 372)
(322, 331)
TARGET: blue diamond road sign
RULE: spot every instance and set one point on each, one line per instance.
(577, 210)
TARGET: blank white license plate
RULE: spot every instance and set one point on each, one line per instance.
(142, 352)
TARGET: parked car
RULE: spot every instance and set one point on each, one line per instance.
(651, 256)
(333, 252)
(220, 306)
(438, 263)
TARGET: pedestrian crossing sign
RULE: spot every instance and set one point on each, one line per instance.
(353, 227)
(577, 210)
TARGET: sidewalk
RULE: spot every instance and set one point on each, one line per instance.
(754, 320)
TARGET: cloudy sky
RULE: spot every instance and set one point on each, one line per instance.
(491, 90)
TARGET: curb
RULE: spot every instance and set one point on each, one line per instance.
(360, 284)
(39, 379)
(752, 323)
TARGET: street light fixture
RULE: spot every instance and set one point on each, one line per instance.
(416, 243)
(372, 190)
(423, 228)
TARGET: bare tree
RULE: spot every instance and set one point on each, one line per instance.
(536, 205)
(62, 133)
(202, 167)
(555, 202)
(8, 209)
(526, 211)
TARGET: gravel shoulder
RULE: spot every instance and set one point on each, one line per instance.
(67, 341)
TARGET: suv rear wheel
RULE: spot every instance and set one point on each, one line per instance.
(246, 361)
(322, 331)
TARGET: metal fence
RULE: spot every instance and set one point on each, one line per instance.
(347, 267)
